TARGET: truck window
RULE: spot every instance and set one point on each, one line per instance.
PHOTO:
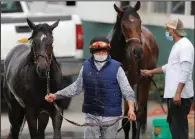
(11, 7)
(70, 3)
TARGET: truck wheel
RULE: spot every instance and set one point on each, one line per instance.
(67, 80)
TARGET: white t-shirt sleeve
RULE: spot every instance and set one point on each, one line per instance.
(164, 68)
(186, 54)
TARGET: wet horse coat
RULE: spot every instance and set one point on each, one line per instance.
(135, 47)
(25, 84)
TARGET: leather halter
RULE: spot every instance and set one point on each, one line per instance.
(138, 40)
(48, 59)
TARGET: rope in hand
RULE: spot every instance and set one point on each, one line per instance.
(77, 124)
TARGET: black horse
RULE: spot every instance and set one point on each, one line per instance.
(27, 68)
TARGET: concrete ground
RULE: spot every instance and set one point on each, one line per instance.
(74, 113)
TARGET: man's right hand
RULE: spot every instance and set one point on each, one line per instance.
(50, 97)
(146, 72)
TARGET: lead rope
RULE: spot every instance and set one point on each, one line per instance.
(74, 123)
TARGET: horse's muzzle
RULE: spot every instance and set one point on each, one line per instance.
(138, 53)
(41, 71)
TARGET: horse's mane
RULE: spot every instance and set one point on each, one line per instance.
(117, 37)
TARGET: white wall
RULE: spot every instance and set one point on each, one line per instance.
(157, 19)
(103, 12)
(98, 11)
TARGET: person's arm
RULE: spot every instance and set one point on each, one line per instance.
(185, 70)
(154, 71)
(72, 90)
(158, 70)
(125, 87)
(186, 58)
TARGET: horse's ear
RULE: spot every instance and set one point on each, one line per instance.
(54, 25)
(137, 6)
(117, 9)
(30, 24)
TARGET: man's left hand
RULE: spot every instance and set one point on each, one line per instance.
(177, 99)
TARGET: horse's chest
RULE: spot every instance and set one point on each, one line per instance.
(132, 74)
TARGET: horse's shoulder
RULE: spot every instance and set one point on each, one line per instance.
(15, 58)
(18, 49)
(21, 47)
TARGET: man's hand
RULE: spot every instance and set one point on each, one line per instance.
(177, 99)
(146, 72)
(51, 97)
(131, 114)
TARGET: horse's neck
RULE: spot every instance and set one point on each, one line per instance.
(29, 60)
(118, 40)
(117, 44)
(55, 67)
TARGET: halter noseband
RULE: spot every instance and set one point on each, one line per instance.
(42, 55)
(137, 40)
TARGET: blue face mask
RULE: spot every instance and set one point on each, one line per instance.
(168, 36)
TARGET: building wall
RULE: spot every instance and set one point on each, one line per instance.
(94, 28)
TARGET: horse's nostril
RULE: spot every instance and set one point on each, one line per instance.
(41, 70)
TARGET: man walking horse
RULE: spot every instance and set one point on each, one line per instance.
(104, 83)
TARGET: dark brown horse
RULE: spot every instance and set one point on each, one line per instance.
(135, 47)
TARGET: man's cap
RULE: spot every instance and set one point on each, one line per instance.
(99, 38)
(99, 43)
(177, 25)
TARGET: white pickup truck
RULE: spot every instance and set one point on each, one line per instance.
(68, 36)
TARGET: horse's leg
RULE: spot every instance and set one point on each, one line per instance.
(16, 117)
(57, 122)
(134, 123)
(125, 123)
(142, 106)
(43, 119)
(31, 117)
(15, 113)
(144, 122)
(134, 129)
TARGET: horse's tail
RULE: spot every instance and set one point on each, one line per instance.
(23, 124)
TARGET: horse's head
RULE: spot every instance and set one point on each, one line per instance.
(42, 40)
(131, 28)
